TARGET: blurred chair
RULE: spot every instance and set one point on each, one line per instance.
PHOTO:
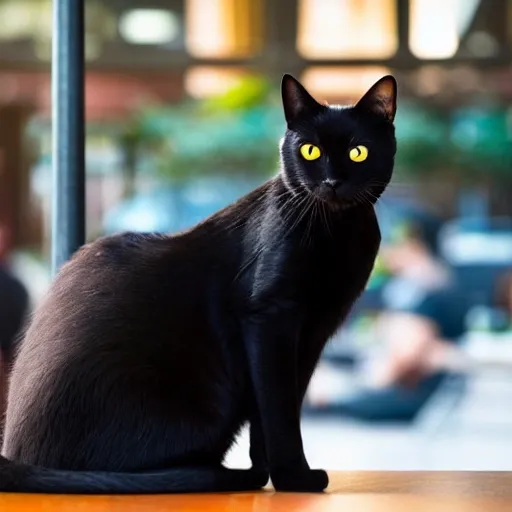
(479, 251)
(443, 404)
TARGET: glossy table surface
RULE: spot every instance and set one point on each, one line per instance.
(348, 491)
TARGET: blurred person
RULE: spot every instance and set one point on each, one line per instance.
(425, 310)
(503, 317)
(14, 303)
(423, 319)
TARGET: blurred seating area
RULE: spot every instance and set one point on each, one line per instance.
(477, 252)
(183, 117)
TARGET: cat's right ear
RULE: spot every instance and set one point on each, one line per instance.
(296, 100)
(380, 99)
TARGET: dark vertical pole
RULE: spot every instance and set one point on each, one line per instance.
(68, 211)
(281, 18)
(403, 25)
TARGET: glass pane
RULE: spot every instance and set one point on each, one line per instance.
(436, 26)
(341, 84)
(336, 29)
(17, 20)
(224, 28)
(205, 81)
(149, 26)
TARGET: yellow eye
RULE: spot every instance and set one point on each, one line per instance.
(358, 154)
(310, 152)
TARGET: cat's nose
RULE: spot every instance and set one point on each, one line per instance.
(327, 189)
(334, 184)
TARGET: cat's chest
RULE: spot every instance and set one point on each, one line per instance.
(327, 273)
(336, 269)
(334, 283)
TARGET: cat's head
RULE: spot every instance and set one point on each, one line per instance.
(342, 155)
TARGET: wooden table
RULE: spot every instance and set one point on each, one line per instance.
(348, 492)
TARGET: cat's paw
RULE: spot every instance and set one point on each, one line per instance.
(303, 480)
(261, 476)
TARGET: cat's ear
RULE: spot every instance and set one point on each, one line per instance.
(381, 98)
(296, 100)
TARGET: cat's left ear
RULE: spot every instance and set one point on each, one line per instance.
(381, 98)
(296, 100)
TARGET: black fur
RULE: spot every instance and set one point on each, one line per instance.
(150, 352)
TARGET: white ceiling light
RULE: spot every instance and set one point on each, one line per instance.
(435, 27)
(149, 26)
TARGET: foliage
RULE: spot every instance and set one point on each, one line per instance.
(470, 143)
(233, 133)
(481, 138)
(238, 132)
(422, 135)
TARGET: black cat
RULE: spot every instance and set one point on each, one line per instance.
(150, 352)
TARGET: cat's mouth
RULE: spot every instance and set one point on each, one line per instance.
(332, 196)
(339, 198)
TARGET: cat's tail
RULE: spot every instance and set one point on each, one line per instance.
(22, 478)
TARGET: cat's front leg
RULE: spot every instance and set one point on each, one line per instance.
(271, 336)
(257, 449)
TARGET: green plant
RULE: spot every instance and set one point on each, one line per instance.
(233, 133)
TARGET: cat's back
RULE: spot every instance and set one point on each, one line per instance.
(127, 261)
(120, 252)
(136, 301)
(116, 292)
(124, 323)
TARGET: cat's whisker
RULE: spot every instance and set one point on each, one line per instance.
(357, 198)
(321, 211)
(238, 223)
(326, 217)
(362, 199)
(370, 194)
(295, 207)
(385, 210)
(314, 206)
(314, 215)
(371, 197)
(379, 199)
(302, 214)
(314, 220)
(290, 203)
(304, 237)
(292, 209)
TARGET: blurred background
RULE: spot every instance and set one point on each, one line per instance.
(184, 116)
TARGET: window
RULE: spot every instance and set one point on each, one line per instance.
(224, 28)
(205, 81)
(345, 29)
(436, 26)
(341, 84)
